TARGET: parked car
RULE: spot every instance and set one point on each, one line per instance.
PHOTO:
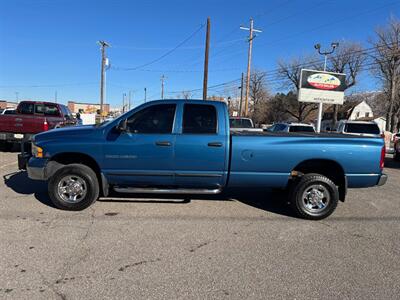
(362, 128)
(32, 117)
(291, 127)
(242, 124)
(396, 146)
(7, 111)
(186, 147)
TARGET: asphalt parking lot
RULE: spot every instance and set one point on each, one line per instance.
(250, 247)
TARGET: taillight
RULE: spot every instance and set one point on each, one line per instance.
(45, 125)
(383, 153)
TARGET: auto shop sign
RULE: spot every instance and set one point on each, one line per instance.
(321, 87)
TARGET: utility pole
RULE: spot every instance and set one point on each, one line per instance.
(325, 54)
(162, 86)
(250, 40)
(145, 94)
(241, 95)
(129, 100)
(207, 50)
(55, 97)
(17, 96)
(103, 46)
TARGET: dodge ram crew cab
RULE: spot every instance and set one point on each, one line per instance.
(186, 147)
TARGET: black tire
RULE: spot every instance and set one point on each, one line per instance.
(6, 146)
(77, 172)
(396, 156)
(309, 184)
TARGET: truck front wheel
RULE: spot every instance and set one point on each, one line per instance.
(73, 187)
(314, 197)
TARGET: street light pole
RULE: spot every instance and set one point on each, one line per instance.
(325, 54)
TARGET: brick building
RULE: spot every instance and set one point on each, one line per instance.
(7, 104)
(76, 107)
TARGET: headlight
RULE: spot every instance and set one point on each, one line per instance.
(37, 151)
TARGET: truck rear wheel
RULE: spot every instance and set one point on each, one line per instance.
(73, 187)
(314, 197)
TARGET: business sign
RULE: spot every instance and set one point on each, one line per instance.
(321, 87)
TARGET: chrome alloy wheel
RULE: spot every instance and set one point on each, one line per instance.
(72, 189)
(316, 198)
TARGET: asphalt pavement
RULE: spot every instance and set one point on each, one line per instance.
(241, 247)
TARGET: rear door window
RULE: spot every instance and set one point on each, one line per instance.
(47, 109)
(51, 110)
(199, 119)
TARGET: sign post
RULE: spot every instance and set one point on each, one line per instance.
(321, 87)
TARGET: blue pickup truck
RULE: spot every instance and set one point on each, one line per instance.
(186, 147)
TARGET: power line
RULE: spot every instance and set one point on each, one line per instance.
(217, 45)
(276, 42)
(165, 54)
(47, 85)
(275, 71)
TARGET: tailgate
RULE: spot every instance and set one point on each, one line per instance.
(21, 123)
(7, 124)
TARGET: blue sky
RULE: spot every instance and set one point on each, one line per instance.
(50, 45)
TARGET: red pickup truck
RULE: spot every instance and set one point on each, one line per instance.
(33, 117)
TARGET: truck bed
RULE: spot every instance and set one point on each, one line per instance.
(257, 161)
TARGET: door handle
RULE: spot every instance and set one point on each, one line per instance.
(163, 143)
(215, 144)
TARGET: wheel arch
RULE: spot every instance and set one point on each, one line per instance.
(329, 168)
(62, 159)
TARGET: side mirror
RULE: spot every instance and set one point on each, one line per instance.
(122, 125)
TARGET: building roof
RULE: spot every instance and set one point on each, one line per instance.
(347, 107)
(85, 103)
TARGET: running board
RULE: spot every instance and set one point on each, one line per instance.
(130, 190)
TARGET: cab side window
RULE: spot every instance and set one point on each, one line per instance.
(199, 119)
(26, 108)
(153, 119)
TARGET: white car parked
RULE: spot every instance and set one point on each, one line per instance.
(364, 128)
(291, 127)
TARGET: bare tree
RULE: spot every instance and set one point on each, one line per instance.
(387, 61)
(277, 107)
(186, 95)
(348, 58)
(258, 97)
(289, 74)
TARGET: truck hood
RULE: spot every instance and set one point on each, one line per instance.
(66, 132)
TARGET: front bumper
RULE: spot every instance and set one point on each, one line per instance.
(36, 168)
(36, 173)
(382, 179)
(15, 137)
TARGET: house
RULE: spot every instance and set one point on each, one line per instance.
(350, 110)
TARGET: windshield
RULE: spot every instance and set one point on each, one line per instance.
(362, 128)
(240, 123)
(300, 128)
